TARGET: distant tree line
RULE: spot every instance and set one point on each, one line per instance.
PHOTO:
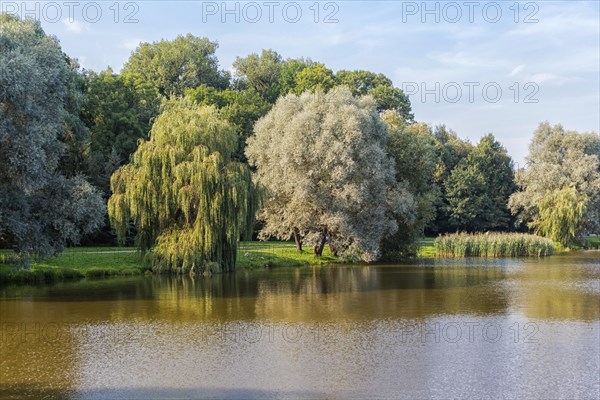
(186, 154)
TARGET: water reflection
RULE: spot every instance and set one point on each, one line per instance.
(434, 328)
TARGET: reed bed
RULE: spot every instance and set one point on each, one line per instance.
(493, 245)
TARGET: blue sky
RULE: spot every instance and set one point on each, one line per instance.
(453, 58)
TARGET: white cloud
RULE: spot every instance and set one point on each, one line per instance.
(545, 77)
(73, 25)
(517, 70)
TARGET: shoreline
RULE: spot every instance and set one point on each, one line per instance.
(102, 262)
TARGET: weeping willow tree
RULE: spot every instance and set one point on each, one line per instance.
(188, 199)
(560, 215)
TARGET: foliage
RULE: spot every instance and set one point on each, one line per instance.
(392, 98)
(322, 160)
(409, 145)
(450, 151)
(188, 199)
(315, 78)
(261, 73)
(288, 75)
(40, 209)
(493, 245)
(272, 76)
(380, 87)
(241, 108)
(76, 133)
(361, 83)
(478, 188)
(118, 115)
(426, 248)
(563, 168)
(560, 215)
(174, 66)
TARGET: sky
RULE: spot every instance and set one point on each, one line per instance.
(476, 66)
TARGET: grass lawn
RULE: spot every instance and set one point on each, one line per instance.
(89, 262)
(253, 255)
(74, 263)
(592, 242)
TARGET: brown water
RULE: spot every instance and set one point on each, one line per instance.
(433, 329)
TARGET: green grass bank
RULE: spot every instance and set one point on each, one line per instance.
(98, 262)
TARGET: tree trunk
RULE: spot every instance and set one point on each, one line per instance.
(320, 245)
(333, 249)
(298, 239)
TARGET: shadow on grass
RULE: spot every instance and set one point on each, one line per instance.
(269, 257)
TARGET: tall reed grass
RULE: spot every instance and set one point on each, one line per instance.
(493, 245)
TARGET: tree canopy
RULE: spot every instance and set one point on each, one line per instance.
(273, 76)
(562, 173)
(241, 108)
(322, 160)
(380, 87)
(261, 73)
(409, 145)
(189, 200)
(478, 188)
(41, 210)
(172, 66)
(118, 115)
(450, 150)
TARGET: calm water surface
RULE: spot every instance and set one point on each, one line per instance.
(474, 328)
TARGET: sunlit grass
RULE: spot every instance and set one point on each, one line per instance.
(94, 262)
(75, 263)
(278, 254)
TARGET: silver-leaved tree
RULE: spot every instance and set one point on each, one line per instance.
(41, 210)
(559, 190)
(322, 161)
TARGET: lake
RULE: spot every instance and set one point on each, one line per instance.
(431, 328)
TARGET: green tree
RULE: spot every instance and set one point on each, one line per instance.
(41, 210)
(479, 187)
(314, 78)
(269, 74)
(380, 87)
(410, 145)
(559, 160)
(241, 108)
(450, 151)
(322, 160)
(76, 135)
(560, 215)
(467, 196)
(174, 66)
(261, 73)
(392, 98)
(272, 76)
(362, 82)
(189, 200)
(118, 115)
(289, 74)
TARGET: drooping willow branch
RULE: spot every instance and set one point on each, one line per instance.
(189, 200)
